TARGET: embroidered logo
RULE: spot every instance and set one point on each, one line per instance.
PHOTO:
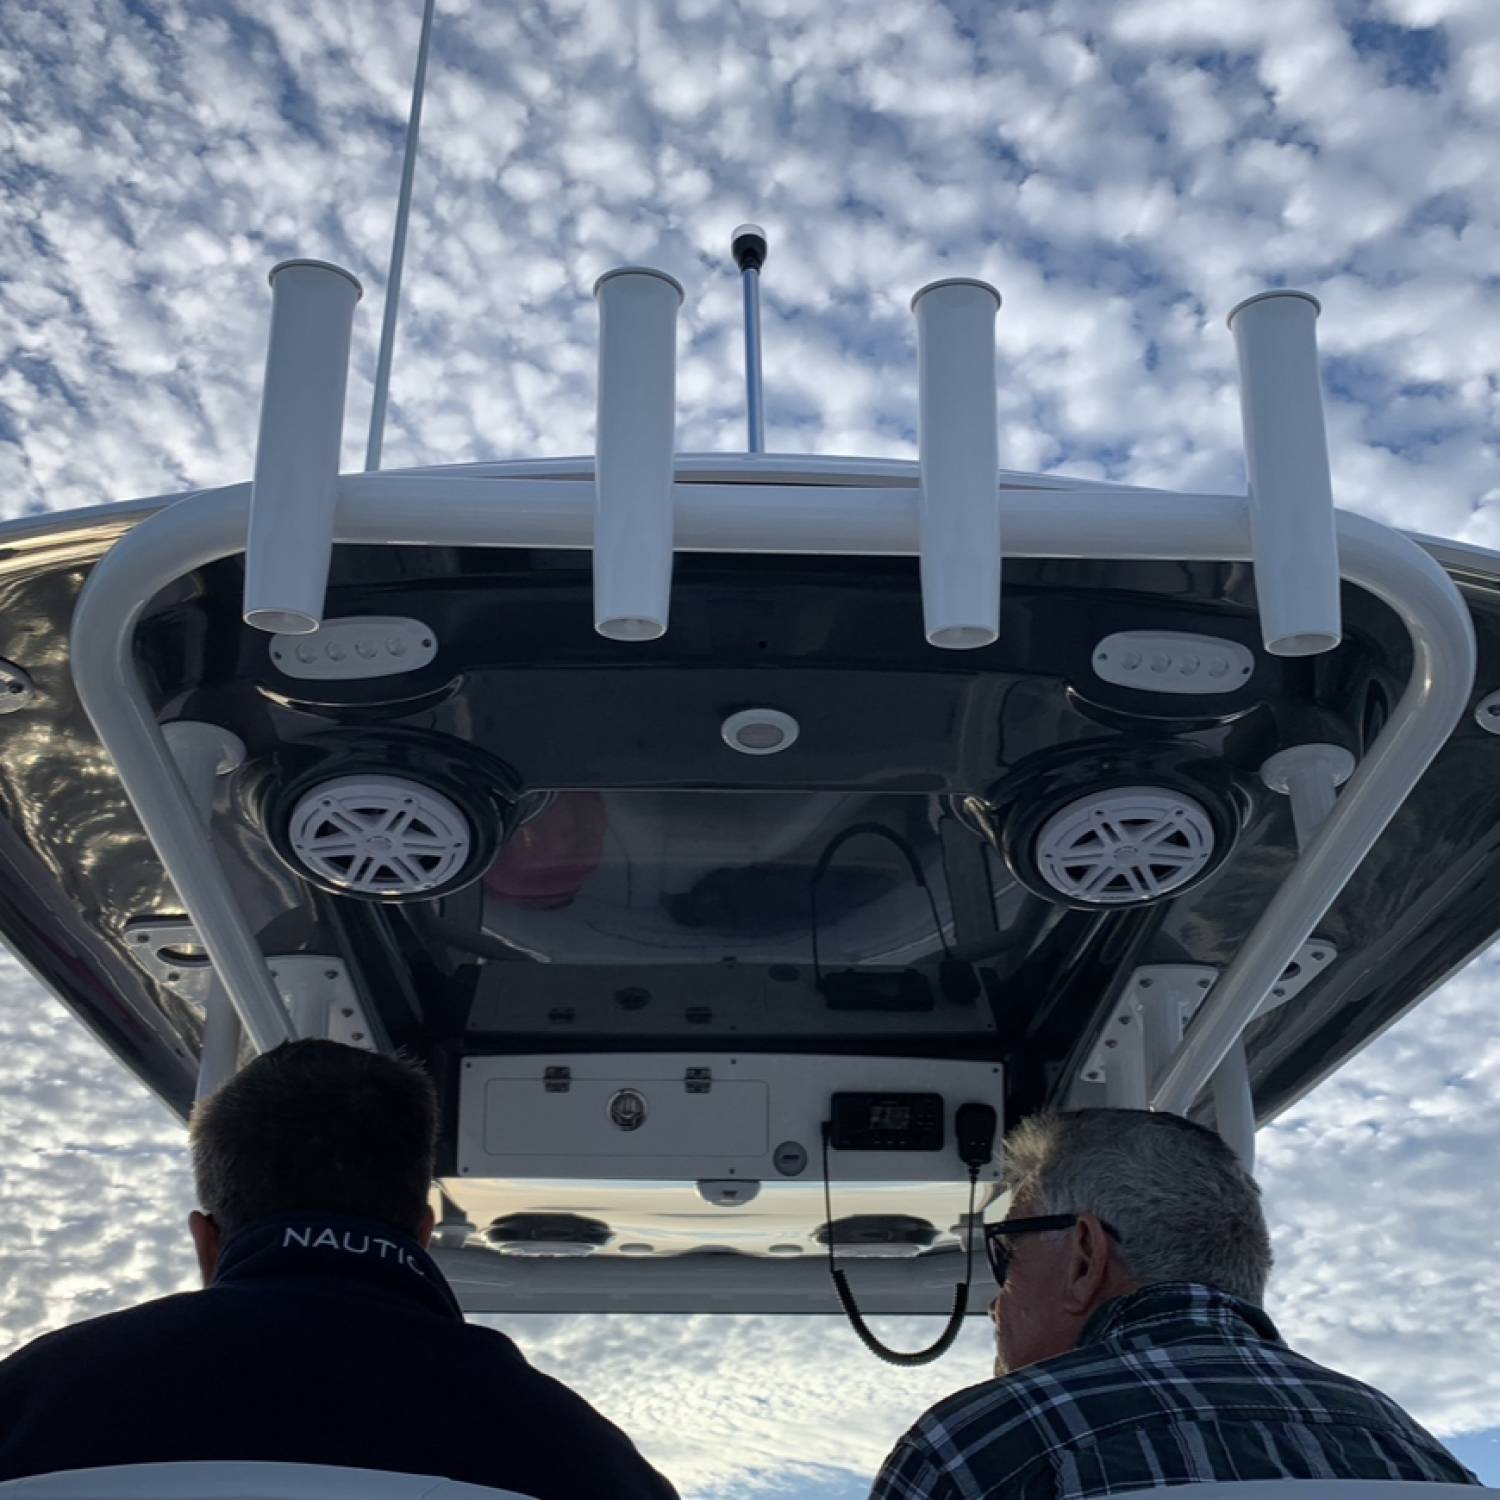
(351, 1244)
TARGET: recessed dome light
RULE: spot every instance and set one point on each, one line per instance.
(759, 731)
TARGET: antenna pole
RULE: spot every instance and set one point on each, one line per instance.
(398, 249)
(748, 246)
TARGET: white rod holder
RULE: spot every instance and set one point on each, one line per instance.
(1286, 456)
(295, 488)
(635, 448)
(959, 448)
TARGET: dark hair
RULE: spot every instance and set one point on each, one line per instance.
(317, 1127)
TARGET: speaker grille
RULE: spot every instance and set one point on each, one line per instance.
(379, 835)
(1127, 845)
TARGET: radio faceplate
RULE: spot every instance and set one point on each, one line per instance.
(887, 1122)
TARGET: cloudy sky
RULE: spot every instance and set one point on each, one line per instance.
(1123, 170)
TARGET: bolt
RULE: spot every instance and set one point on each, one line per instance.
(330, 973)
(357, 1036)
(346, 1012)
(1111, 1043)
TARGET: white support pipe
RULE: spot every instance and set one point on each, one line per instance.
(1125, 1080)
(846, 517)
(297, 452)
(959, 449)
(1286, 456)
(635, 447)
(222, 1036)
(1234, 1105)
(1161, 1027)
(310, 1013)
(1311, 776)
(203, 753)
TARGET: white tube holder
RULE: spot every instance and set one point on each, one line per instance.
(295, 489)
(635, 446)
(1286, 457)
(959, 451)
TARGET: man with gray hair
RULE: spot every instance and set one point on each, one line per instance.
(1132, 1351)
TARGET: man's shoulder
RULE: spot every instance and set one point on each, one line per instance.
(123, 1323)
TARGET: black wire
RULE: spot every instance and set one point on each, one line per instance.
(866, 1335)
(879, 830)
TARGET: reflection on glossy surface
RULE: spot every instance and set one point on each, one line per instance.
(783, 1219)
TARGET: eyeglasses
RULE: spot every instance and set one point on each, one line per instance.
(997, 1246)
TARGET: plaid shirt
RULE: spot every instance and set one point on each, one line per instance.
(1174, 1384)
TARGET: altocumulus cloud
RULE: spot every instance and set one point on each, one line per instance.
(1124, 174)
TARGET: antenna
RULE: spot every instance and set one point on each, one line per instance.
(748, 246)
(398, 250)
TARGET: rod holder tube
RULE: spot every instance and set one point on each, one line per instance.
(635, 450)
(959, 449)
(295, 486)
(1286, 457)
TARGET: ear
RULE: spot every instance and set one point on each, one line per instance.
(424, 1230)
(206, 1242)
(1090, 1274)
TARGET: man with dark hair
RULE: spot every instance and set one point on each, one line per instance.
(1131, 1349)
(325, 1333)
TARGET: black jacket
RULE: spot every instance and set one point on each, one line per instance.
(322, 1340)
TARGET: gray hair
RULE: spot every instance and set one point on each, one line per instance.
(1185, 1209)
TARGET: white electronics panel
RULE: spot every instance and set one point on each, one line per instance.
(684, 1117)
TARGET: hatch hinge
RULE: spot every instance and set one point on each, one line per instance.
(557, 1080)
(698, 1080)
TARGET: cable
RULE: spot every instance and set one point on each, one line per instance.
(879, 830)
(846, 1295)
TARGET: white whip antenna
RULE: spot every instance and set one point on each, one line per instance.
(398, 250)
